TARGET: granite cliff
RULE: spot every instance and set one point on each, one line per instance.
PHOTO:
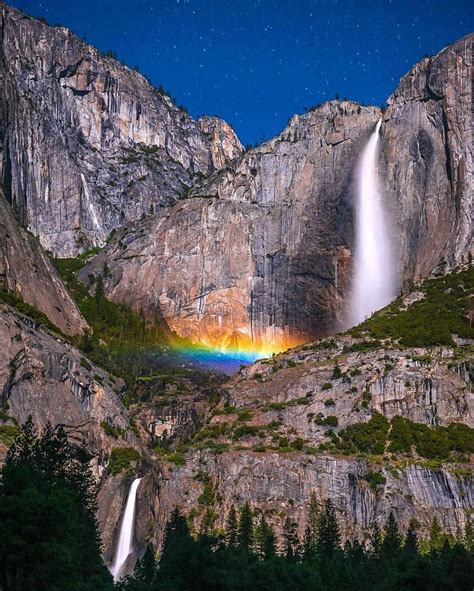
(26, 270)
(244, 251)
(348, 418)
(87, 144)
(259, 255)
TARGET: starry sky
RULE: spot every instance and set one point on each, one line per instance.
(256, 62)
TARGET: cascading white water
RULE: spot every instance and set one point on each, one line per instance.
(373, 284)
(124, 546)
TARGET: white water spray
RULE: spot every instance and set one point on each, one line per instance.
(124, 546)
(373, 284)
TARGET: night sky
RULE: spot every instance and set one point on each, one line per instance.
(255, 63)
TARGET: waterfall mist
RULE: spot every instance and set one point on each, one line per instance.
(373, 284)
(125, 542)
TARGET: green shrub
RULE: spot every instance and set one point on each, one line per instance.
(329, 402)
(298, 443)
(8, 434)
(208, 495)
(112, 431)
(326, 386)
(244, 414)
(121, 459)
(177, 457)
(430, 442)
(329, 421)
(245, 431)
(375, 479)
(367, 437)
(15, 301)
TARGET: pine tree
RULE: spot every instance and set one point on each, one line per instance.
(245, 533)
(469, 536)
(207, 522)
(232, 528)
(99, 290)
(291, 540)
(49, 537)
(144, 575)
(411, 539)
(264, 540)
(356, 552)
(436, 537)
(176, 527)
(392, 539)
(310, 536)
(328, 535)
(375, 540)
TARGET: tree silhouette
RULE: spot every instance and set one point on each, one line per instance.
(328, 535)
(232, 528)
(49, 537)
(391, 544)
(291, 540)
(245, 533)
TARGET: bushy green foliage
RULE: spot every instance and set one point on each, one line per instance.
(329, 421)
(432, 320)
(375, 479)
(118, 332)
(208, 495)
(367, 437)
(433, 443)
(112, 431)
(8, 434)
(246, 430)
(430, 442)
(121, 459)
(363, 346)
(285, 404)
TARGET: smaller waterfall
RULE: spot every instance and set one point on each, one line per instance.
(374, 278)
(124, 546)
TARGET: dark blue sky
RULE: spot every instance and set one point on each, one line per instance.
(255, 63)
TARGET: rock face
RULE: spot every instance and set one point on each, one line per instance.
(259, 255)
(87, 144)
(428, 159)
(281, 397)
(296, 387)
(281, 485)
(26, 270)
(45, 377)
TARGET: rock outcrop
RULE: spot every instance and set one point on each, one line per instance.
(87, 144)
(281, 484)
(259, 255)
(27, 271)
(428, 151)
(44, 376)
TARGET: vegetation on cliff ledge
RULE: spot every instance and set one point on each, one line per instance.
(443, 310)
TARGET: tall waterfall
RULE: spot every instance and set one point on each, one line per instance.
(373, 284)
(124, 546)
